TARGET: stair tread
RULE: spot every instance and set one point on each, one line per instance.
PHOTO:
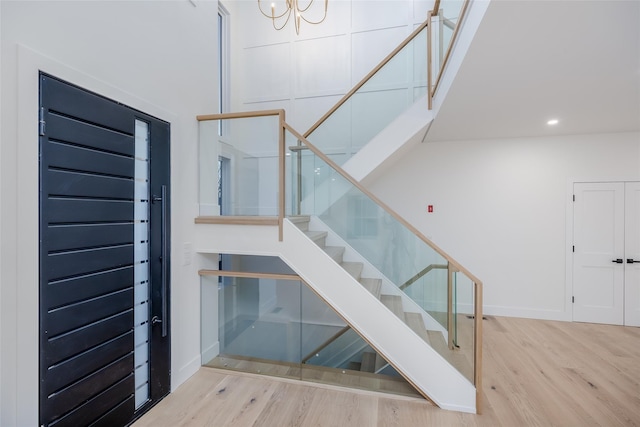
(368, 363)
(437, 341)
(393, 303)
(335, 252)
(299, 218)
(317, 236)
(353, 268)
(415, 322)
(372, 285)
(300, 221)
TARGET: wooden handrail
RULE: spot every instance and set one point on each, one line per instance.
(237, 220)
(436, 7)
(421, 273)
(366, 78)
(239, 115)
(248, 274)
(326, 343)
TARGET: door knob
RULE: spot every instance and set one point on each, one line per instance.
(631, 261)
(618, 261)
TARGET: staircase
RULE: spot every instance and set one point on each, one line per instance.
(376, 281)
(373, 362)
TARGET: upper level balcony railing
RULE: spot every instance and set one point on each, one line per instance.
(411, 72)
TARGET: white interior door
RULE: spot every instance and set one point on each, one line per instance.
(598, 262)
(632, 254)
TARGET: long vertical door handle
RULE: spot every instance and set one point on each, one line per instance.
(165, 260)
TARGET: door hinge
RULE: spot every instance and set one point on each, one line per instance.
(574, 197)
(573, 299)
(573, 249)
(42, 123)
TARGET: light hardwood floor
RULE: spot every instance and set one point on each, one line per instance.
(536, 373)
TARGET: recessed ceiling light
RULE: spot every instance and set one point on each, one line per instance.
(552, 122)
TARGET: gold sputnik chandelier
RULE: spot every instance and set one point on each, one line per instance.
(280, 19)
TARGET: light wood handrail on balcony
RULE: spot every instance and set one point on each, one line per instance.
(248, 274)
(240, 115)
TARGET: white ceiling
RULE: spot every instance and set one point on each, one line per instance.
(530, 61)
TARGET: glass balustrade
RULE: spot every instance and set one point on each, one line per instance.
(413, 274)
(375, 104)
(417, 281)
(276, 325)
(239, 170)
(444, 26)
(355, 217)
(279, 327)
(464, 294)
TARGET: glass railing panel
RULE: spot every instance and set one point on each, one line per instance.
(253, 334)
(450, 10)
(444, 23)
(402, 259)
(384, 97)
(430, 291)
(373, 232)
(464, 324)
(333, 353)
(282, 328)
(239, 170)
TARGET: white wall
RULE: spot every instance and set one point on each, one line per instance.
(159, 57)
(501, 206)
(307, 74)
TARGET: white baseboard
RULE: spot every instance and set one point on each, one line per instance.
(181, 375)
(527, 313)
